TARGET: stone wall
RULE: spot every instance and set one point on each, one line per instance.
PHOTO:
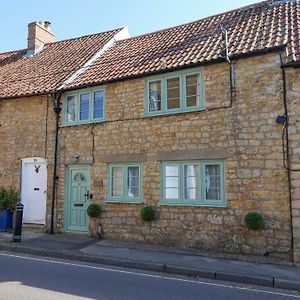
(246, 132)
(26, 130)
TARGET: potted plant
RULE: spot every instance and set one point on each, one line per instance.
(8, 202)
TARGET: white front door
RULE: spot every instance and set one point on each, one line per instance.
(34, 190)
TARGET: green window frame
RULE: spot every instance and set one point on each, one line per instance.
(125, 183)
(174, 92)
(84, 106)
(193, 183)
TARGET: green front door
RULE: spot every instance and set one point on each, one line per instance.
(77, 198)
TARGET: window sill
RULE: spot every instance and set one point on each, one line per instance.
(119, 201)
(81, 123)
(213, 205)
(175, 112)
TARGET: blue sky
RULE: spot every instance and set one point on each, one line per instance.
(73, 18)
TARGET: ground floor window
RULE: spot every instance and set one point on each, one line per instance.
(125, 183)
(193, 183)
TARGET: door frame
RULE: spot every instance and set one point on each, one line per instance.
(39, 160)
(68, 169)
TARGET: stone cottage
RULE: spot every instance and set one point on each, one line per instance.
(200, 121)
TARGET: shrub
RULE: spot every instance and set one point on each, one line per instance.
(8, 199)
(147, 213)
(254, 220)
(94, 210)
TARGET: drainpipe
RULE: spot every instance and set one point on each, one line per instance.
(57, 109)
(231, 63)
(287, 166)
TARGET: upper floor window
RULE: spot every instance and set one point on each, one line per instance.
(175, 92)
(84, 106)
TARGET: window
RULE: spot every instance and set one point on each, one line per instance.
(174, 92)
(84, 106)
(198, 183)
(125, 183)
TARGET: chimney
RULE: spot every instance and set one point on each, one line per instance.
(39, 34)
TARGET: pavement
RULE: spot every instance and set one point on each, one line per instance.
(190, 262)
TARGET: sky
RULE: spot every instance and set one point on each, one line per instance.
(74, 18)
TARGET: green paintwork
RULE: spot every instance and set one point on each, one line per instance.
(77, 93)
(163, 79)
(77, 185)
(195, 202)
(124, 198)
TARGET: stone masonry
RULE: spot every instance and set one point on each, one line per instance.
(246, 133)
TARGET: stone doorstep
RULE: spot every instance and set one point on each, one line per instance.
(157, 267)
(28, 227)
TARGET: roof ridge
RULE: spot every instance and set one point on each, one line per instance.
(65, 40)
(11, 51)
(256, 4)
(84, 36)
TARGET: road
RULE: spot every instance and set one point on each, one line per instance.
(28, 277)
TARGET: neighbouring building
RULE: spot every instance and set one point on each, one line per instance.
(200, 121)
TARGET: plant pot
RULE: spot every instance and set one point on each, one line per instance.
(6, 219)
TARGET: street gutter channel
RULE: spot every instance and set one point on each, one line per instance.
(157, 267)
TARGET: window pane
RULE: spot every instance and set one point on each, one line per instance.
(172, 193)
(155, 96)
(192, 101)
(173, 83)
(171, 182)
(173, 93)
(213, 182)
(133, 180)
(192, 79)
(98, 114)
(173, 103)
(84, 106)
(116, 181)
(98, 105)
(192, 90)
(171, 170)
(71, 114)
(98, 95)
(191, 182)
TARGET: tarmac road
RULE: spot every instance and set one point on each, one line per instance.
(28, 277)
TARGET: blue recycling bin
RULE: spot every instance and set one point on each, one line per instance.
(6, 219)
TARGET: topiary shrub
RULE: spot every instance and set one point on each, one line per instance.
(94, 210)
(147, 213)
(254, 220)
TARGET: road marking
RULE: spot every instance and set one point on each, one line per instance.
(248, 289)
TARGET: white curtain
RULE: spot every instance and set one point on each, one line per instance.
(133, 182)
(191, 182)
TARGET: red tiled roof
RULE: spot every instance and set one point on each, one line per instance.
(262, 26)
(259, 27)
(46, 71)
